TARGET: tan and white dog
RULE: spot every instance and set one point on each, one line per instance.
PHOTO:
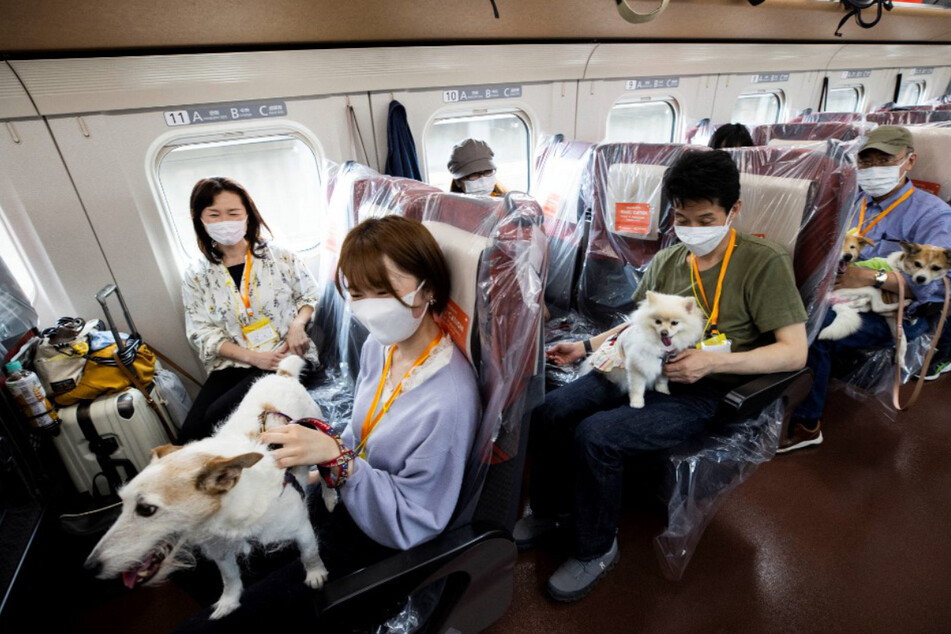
(219, 495)
(923, 263)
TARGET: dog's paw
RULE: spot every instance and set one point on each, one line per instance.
(662, 388)
(316, 576)
(224, 607)
(330, 498)
(637, 402)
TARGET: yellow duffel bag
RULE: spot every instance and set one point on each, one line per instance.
(103, 375)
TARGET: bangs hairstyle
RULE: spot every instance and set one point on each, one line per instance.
(407, 243)
(701, 175)
(203, 196)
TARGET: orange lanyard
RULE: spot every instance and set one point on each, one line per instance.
(695, 274)
(880, 216)
(369, 423)
(244, 295)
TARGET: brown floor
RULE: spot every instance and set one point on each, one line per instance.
(852, 536)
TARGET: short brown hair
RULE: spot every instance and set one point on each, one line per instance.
(407, 243)
(203, 195)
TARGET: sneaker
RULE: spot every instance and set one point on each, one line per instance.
(575, 578)
(804, 434)
(937, 369)
(530, 528)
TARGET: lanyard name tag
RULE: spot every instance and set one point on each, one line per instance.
(716, 343)
(259, 334)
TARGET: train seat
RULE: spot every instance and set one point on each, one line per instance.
(841, 130)
(909, 117)
(556, 185)
(496, 249)
(932, 170)
(822, 117)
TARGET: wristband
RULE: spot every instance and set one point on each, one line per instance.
(587, 346)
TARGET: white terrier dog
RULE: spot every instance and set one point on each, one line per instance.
(662, 326)
(219, 495)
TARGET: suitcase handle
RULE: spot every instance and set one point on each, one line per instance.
(101, 297)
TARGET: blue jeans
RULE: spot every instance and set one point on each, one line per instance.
(582, 435)
(875, 333)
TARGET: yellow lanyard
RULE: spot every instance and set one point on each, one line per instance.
(880, 216)
(369, 423)
(714, 314)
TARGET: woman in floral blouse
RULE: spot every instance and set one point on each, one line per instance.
(247, 302)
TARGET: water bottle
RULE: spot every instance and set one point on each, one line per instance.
(27, 390)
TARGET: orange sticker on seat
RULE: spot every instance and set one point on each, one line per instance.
(550, 208)
(455, 321)
(632, 218)
(931, 188)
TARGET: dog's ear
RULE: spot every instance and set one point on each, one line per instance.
(689, 304)
(910, 247)
(163, 450)
(866, 241)
(220, 475)
(650, 296)
(947, 257)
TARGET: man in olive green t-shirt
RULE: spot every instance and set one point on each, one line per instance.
(586, 428)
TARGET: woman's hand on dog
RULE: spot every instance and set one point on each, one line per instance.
(691, 365)
(300, 446)
(855, 277)
(565, 352)
(267, 360)
(297, 340)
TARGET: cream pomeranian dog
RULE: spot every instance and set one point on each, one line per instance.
(219, 495)
(660, 327)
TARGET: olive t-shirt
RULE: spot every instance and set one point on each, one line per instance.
(759, 289)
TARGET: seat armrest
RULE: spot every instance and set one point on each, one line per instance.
(750, 398)
(482, 557)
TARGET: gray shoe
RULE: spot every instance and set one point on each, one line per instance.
(530, 528)
(574, 578)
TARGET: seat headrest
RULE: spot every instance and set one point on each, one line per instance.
(773, 207)
(463, 252)
(633, 201)
(816, 145)
(932, 171)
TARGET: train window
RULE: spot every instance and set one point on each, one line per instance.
(910, 93)
(844, 99)
(642, 122)
(754, 108)
(280, 171)
(507, 133)
(13, 258)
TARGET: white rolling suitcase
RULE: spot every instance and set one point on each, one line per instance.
(106, 442)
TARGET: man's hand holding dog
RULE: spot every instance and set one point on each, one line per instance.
(300, 446)
(855, 277)
(691, 365)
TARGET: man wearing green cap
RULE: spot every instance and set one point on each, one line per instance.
(889, 209)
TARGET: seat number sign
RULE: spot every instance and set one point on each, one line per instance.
(225, 112)
(479, 93)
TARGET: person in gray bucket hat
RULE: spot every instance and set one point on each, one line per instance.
(473, 170)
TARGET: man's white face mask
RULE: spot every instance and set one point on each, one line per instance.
(878, 181)
(702, 240)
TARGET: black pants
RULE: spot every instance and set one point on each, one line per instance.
(280, 599)
(220, 394)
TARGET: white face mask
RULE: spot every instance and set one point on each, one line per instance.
(878, 181)
(386, 318)
(702, 240)
(227, 232)
(480, 186)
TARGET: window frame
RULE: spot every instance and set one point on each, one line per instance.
(232, 131)
(777, 93)
(670, 101)
(522, 114)
(22, 262)
(859, 90)
(922, 85)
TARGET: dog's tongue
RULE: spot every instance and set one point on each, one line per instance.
(664, 339)
(131, 577)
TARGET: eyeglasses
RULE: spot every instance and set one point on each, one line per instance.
(477, 175)
(881, 161)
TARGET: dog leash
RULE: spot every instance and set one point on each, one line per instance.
(334, 472)
(896, 386)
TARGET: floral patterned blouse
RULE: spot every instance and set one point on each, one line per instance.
(214, 313)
